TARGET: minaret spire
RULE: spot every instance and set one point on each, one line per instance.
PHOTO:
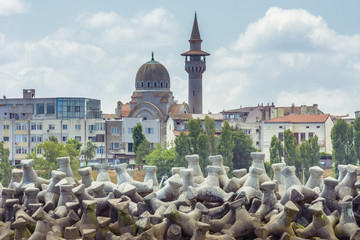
(195, 65)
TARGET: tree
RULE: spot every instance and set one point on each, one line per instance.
(163, 159)
(203, 147)
(276, 150)
(142, 151)
(210, 129)
(291, 152)
(50, 151)
(5, 167)
(357, 137)
(138, 136)
(182, 148)
(195, 128)
(226, 145)
(342, 138)
(309, 155)
(89, 151)
(242, 148)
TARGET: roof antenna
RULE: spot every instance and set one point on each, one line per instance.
(152, 56)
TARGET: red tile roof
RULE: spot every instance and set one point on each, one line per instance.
(315, 118)
(125, 110)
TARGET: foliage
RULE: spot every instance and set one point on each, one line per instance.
(89, 151)
(182, 148)
(276, 150)
(268, 169)
(143, 150)
(242, 148)
(203, 147)
(226, 145)
(324, 155)
(210, 129)
(138, 136)
(163, 159)
(357, 137)
(291, 152)
(309, 155)
(342, 138)
(51, 150)
(195, 128)
(5, 167)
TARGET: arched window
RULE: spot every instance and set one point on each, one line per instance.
(137, 84)
(144, 118)
(166, 85)
(142, 84)
(148, 84)
(161, 84)
(155, 84)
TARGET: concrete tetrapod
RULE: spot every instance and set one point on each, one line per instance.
(187, 178)
(16, 175)
(86, 176)
(29, 176)
(251, 188)
(171, 191)
(150, 173)
(280, 223)
(342, 172)
(193, 162)
(315, 179)
(64, 163)
(278, 177)
(329, 194)
(103, 176)
(347, 226)
(321, 226)
(258, 162)
(52, 193)
(123, 176)
(269, 201)
(346, 186)
(227, 184)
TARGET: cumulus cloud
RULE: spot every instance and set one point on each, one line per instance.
(9, 7)
(288, 56)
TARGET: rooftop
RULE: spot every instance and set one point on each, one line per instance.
(314, 118)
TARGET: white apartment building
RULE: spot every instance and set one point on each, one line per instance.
(303, 127)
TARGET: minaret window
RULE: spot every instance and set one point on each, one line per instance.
(137, 85)
(148, 84)
(155, 84)
(142, 84)
(161, 84)
(166, 85)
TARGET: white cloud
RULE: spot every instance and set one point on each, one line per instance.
(287, 56)
(103, 19)
(9, 7)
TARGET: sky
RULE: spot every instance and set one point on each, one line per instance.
(262, 51)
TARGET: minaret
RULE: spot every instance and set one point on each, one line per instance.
(195, 65)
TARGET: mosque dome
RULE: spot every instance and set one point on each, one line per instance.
(152, 75)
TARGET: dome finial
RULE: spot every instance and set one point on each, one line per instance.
(152, 56)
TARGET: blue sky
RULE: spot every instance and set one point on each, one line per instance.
(301, 52)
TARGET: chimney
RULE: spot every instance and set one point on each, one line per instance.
(292, 111)
(303, 109)
(118, 109)
(28, 93)
(315, 107)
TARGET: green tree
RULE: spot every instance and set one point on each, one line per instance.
(203, 147)
(291, 152)
(276, 150)
(309, 155)
(164, 159)
(50, 151)
(138, 136)
(142, 151)
(5, 167)
(226, 145)
(342, 138)
(195, 128)
(357, 137)
(243, 146)
(182, 148)
(89, 151)
(210, 129)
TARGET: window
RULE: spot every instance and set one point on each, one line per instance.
(311, 135)
(36, 138)
(77, 127)
(40, 108)
(100, 126)
(64, 126)
(93, 139)
(307, 127)
(77, 108)
(280, 126)
(257, 143)
(21, 150)
(130, 130)
(115, 145)
(302, 137)
(148, 84)
(21, 126)
(64, 138)
(281, 136)
(78, 138)
(100, 150)
(50, 108)
(6, 127)
(142, 84)
(257, 130)
(193, 92)
(317, 126)
(21, 138)
(100, 138)
(161, 84)
(247, 131)
(115, 130)
(166, 85)
(91, 127)
(6, 139)
(130, 147)
(149, 130)
(51, 126)
(155, 84)
(38, 150)
(36, 126)
(68, 109)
